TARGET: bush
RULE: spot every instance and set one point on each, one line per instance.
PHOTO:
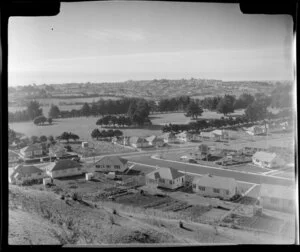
(29, 182)
(76, 196)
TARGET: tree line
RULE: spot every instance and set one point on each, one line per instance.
(96, 133)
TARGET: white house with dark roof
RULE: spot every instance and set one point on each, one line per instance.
(267, 160)
(215, 186)
(22, 172)
(155, 141)
(33, 150)
(278, 198)
(63, 168)
(184, 136)
(57, 151)
(138, 142)
(169, 137)
(168, 178)
(256, 130)
(220, 134)
(111, 163)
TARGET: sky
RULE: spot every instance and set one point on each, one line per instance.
(119, 41)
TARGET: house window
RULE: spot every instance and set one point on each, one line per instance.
(201, 188)
(161, 180)
(274, 201)
(97, 166)
(216, 190)
(171, 182)
(117, 166)
(107, 166)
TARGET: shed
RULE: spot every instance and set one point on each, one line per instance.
(84, 144)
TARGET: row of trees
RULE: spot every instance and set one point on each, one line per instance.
(111, 120)
(67, 136)
(96, 133)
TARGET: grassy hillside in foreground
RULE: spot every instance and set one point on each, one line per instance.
(51, 220)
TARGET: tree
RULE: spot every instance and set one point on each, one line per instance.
(39, 120)
(34, 139)
(193, 110)
(49, 120)
(243, 101)
(86, 110)
(95, 134)
(43, 138)
(64, 136)
(73, 136)
(255, 112)
(54, 111)
(34, 110)
(51, 139)
(226, 105)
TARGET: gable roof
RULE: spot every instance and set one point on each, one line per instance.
(63, 164)
(215, 181)
(114, 159)
(32, 147)
(23, 170)
(135, 139)
(264, 156)
(12, 154)
(168, 135)
(276, 191)
(165, 173)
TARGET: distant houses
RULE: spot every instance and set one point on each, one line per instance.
(168, 178)
(200, 152)
(256, 130)
(111, 164)
(31, 151)
(155, 141)
(63, 168)
(169, 137)
(57, 151)
(220, 134)
(278, 198)
(267, 160)
(215, 186)
(23, 172)
(184, 136)
(138, 142)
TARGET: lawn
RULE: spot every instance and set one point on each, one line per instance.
(82, 126)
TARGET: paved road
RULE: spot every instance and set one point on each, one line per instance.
(252, 178)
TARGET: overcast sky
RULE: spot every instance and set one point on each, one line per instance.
(118, 41)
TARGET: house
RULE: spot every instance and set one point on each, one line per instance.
(200, 152)
(57, 151)
(209, 135)
(111, 163)
(267, 160)
(63, 168)
(256, 130)
(278, 198)
(169, 137)
(22, 172)
(33, 150)
(13, 157)
(138, 142)
(221, 134)
(155, 141)
(184, 136)
(196, 137)
(215, 186)
(168, 178)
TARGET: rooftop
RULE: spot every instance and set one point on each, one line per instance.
(63, 164)
(215, 181)
(165, 173)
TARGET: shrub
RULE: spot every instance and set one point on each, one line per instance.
(114, 211)
(76, 196)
